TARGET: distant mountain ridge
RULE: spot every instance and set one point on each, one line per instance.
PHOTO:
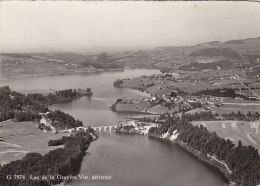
(213, 54)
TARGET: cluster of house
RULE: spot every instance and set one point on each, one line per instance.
(132, 100)
(160, 77)
(136, 126)
(48, 126)
(208, 101)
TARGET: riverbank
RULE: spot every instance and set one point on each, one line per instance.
(142, 128)
(207, 159)
(239, 163)
(40, 165)
(210, 160)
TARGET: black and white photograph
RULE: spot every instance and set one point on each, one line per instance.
(129, 93)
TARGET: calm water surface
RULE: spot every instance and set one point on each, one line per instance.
(92, 111)
(135, 160)
(132, 160)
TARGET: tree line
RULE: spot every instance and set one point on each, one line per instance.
(209, 116)
(61, 120)
(14, 105)
(59, 96)
(250, 116)
(243, 161)
(61, 161)
(221, 92)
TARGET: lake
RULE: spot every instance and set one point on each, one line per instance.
(129, 159)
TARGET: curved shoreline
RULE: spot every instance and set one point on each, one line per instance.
(204, 159)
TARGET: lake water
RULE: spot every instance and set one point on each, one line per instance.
(130, 159)
(134, 160)
(92, 111)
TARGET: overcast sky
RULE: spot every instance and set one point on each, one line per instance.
(78, 26)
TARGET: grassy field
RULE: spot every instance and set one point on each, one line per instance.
(243, 107)
(140, 106)
(144, 107)
(247, 92)
(246, 131)
(20, 138)
(164, 86)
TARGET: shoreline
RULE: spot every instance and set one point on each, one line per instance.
(206, 160)
(11, 77)
(203, 158)
(136, 112)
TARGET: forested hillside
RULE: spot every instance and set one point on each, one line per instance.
(243, 161)
(20, 107)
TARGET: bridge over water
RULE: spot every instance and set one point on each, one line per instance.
(104, 128)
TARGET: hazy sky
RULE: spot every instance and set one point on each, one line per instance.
(71, 26)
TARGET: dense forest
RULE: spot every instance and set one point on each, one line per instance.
(221, 92)
(202, 116)
(14, 105)
(243, 161)
(209, 116)
(61, 161)
(250, 116)
(59, 96)
(61, 120)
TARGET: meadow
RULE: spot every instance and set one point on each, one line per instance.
(19, 138)
(246, 131)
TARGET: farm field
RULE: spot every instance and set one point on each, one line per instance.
(141, 106)
(166, 85)
(246, 131)
(19, 138)
(162, 109)
(247, 92)
(243, 107)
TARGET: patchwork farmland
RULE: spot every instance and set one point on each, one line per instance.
(246, 131)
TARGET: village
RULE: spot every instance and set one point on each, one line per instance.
(172, 103)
